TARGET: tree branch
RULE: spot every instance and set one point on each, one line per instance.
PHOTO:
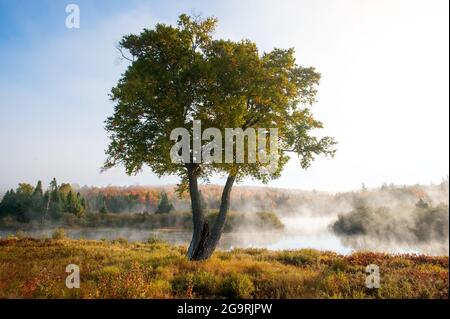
(120, 49)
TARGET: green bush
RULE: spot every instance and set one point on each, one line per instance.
(425, 223)
(205, 284)
(269, 220)
(258, 220)
(432, 223)
(20, 234)
(59, 233)
(200, 284)
(111, 271)
(302, 257)
(182, 285)
(237, 286)
(120, 240)
(339, 265)
(155, 240)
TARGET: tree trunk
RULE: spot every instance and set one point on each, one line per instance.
(204, 241)
(219, 224)
(198, 216)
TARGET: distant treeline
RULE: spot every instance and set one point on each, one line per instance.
(66, 205)
(28, 203)
(31, 203)
(254, 199)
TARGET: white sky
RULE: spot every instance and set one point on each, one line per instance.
(383, 95)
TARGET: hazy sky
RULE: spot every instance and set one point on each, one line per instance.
(383, 95)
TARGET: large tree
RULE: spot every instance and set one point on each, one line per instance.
(178, 74)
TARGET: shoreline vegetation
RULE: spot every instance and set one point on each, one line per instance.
(391, 215)
(145, 221)
(35, 268)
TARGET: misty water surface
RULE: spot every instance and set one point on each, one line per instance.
(299, 232)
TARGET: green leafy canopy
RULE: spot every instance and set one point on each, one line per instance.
(181, 73)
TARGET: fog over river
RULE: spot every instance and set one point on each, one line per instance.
(300, 232)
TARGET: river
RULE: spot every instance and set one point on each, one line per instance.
(300, 232)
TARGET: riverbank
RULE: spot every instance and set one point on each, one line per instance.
(35, 268)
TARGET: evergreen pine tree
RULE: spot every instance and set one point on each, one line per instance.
(56, 202)
(164, 206)
(37, 205)
(38, 191)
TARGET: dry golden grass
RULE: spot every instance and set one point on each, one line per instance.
(31, 268)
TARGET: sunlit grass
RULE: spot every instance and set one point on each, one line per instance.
(32, 268)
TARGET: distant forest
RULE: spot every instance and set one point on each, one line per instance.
(33, 203)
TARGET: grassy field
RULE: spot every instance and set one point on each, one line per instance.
(32, 268)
